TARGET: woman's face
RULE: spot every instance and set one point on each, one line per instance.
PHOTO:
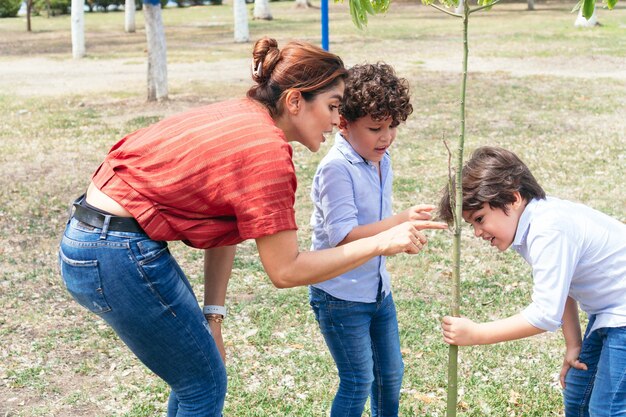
(318, 117)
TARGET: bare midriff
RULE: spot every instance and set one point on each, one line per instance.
(100, 200)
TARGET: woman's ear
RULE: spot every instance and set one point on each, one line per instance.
(293, 101)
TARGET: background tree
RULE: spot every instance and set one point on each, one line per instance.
(262, 10)
(29, 12)
(78, 28)
(303, 4)
(129, 16)
(240, 16)
(9, 8)
(157, 51)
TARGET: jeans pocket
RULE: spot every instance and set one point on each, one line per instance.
(83, 282)
(150, 250)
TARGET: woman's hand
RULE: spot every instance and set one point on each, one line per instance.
(216, 331)
(571, 361)
(404, 237)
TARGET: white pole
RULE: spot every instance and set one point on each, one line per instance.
(129, 16)
(157, 53)
(240, 13)
(78, 29)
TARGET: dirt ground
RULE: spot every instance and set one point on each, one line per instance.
(31, 76)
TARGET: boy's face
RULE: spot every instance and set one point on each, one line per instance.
(369, 138)
(494, 225)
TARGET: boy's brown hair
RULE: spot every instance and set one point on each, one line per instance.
(492, 175)
(375, 89)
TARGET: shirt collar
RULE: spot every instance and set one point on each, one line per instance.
(524, 223)
(347, 150)
(353, 156)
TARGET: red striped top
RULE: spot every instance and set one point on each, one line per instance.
(212, 176)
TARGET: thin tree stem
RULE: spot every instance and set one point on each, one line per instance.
(441, 9)
(484, 7)
(453, 352)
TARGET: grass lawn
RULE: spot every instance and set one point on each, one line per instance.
(552, 93)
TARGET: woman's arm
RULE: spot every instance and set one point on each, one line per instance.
(419, 215)
(287, 267)
(218, 264)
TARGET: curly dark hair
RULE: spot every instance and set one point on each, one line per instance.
(491, 176)
(375, 89)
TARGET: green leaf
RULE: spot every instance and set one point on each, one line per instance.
(358, 17)
(366, 6)
(588, 8)
(611, 3)
(359, 10)
(381, 6)
(577, 7)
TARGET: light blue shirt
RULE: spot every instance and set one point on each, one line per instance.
(347, 192)
(577, 251)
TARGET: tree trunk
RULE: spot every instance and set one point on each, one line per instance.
(129, 16)
(78, 29)
(157, 52)
(262, 10)
(240, 14)
(531, 4)
(29, 11)
(581, 22)
(303, 4)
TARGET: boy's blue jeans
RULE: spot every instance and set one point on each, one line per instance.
(600, 391)
(364, 342)
(136, 286)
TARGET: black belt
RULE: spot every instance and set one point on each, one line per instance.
(96, 219)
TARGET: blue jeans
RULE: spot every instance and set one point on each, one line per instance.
(364, 342)
(600, 391)
(136, 286)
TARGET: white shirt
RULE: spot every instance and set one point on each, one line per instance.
(577, 251)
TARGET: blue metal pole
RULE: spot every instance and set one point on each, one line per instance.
(325, 24)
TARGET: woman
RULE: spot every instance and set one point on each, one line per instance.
(211, 177)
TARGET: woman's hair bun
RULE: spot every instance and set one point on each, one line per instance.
(265, 56)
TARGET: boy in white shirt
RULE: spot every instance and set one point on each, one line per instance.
(578, 257)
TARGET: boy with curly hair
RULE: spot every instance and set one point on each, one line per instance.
(578, 257)
(351, 193)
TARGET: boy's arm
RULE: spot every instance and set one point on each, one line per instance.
(461, 331)
(419, 215)
(573, 339)
(571, 325)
